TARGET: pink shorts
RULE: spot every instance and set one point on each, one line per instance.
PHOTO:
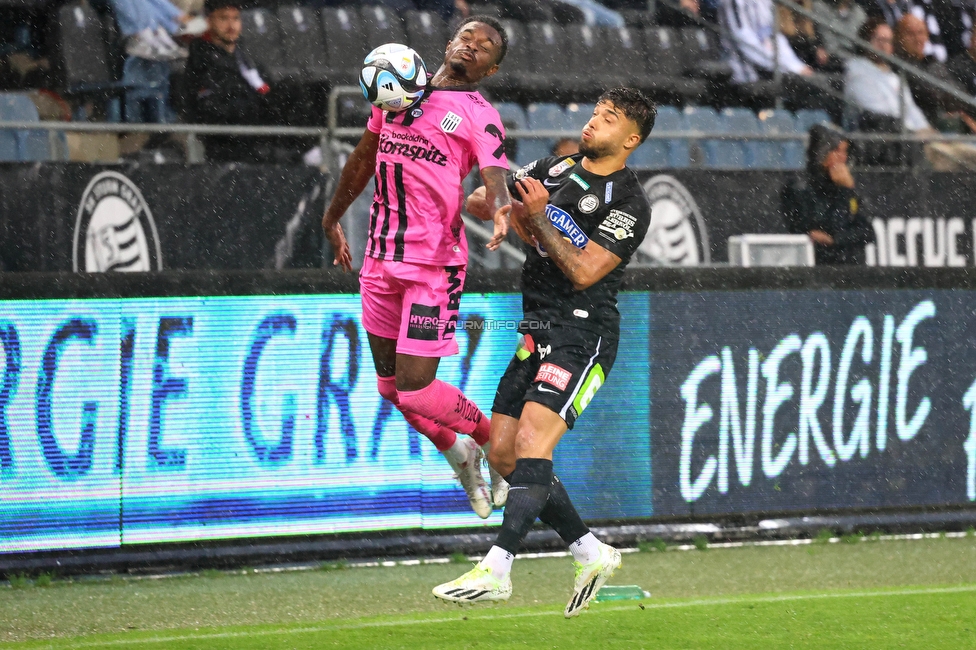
(415, 304)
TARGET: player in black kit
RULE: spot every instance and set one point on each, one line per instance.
(585, 215)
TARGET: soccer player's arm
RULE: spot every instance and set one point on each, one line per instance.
(359, 169)
(488, 143)
(583, 266)
(477, 203)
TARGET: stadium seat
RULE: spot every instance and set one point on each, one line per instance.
(778, 154)
(702, 57)
(552, 72)
(22, 145)
(82, 59)
(592, 69)
(261, 32)
(507, 82)
(513, 115)
(806, 117)
(427, 33)
(381, 25)
(345, 44)
(677, 150)
(542, 117)
(577, 115)
(662, 53)
(303, 44)
(730, 152)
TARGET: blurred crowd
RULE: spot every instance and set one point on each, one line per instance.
(200, 69)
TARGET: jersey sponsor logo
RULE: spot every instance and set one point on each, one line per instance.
(549, 183)
(424, 322)
(451, 122)
(553, 375)
(114, 229)
(608, 192)
(579, 181)
(477, 99)
(588, 203)
(677, 235)
(424, 150)
(618, 224)
(556, 170)
(565, 224)
(417, 112)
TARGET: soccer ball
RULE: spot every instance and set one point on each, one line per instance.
(393, 77)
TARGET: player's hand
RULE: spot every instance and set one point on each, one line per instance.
(534, 195)
(340, 247)
(821, 237)
(501, 227)
(518, 223)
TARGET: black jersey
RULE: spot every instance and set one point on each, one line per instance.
(611, 210)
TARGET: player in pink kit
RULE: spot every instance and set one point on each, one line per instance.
(416, 255)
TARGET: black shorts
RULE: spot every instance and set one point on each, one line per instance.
(560, 368)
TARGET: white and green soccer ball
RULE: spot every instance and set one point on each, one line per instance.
(393, 77)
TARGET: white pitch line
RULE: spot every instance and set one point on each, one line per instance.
(601, 609)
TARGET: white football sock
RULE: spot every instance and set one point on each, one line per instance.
(586, 549)
(499, 561)
(457, 454)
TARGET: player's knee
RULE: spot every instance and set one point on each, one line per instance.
(527, 441)
(501, 462)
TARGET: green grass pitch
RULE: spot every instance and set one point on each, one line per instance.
(875, 594)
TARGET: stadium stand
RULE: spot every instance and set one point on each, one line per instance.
(555, 62)
(22, 145)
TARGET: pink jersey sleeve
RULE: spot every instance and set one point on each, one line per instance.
(375, 122)
(489, 139)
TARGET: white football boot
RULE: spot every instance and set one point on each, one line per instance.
(590, 577)
(465, 459)
(499, 486)
(477, 585)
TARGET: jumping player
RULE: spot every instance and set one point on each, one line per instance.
(416, 255)
(585, 214)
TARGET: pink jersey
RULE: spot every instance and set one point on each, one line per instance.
(424, 153)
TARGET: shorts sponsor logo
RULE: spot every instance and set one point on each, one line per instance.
(581, 313)
(454, 289)
(114, 229)
(677, 235)
(556, 170)
(424, 322)
(588, 203)
(451, 122)
(588, 390)
(554, 375)
(618, 225)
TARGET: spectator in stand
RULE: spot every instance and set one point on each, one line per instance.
(871, 85)
(925, 10)
(963, 69)
(565, 147)
(750, 44)
(805, 38)
(148, 26)
(844, 15)
(941, 110)
(224, 85)
(825, 205)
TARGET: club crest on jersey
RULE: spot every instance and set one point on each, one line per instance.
(588, 203)
(451, 122)
(556, 170)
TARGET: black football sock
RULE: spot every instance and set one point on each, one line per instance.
(560, 514)
(527, 496)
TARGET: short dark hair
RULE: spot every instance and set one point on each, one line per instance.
(635, 106)
(210, 6)
(494, 24)
(870, 26)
